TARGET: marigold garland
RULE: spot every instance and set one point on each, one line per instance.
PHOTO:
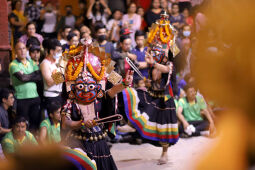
(69, 72)
(153, 34)
(162, 36)
(94, 74)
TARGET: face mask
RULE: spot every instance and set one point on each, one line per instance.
(38, 3)
(186, 33)
(101, 38)
(57, 56)
(68, 12)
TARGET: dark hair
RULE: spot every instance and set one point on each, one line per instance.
(70, 36)
(13, 4)
(66, 27)
(4, 94)
(99, 26)
(173, 4)
(129, 5)
(19, 119)
(139, 33)
(188, 86)
(124, 37)
(53, 106)
(68, 6)
(32, 41)
(30, 23)
(51, 44)
(101, 9)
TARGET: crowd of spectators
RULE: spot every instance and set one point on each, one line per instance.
(39, 35)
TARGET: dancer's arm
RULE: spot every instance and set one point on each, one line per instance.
(119, 87)
(163, 68)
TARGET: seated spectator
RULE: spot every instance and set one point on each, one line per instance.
(68, 19)
(52, 92)
(64, 33)
(132, 21)
(6, 101)
(139, 51)
(30, 32)
(17, 137)
(98, 11)
(190, 112)
(50, 127)
(24, 74)
(176, 19)
(114, 26)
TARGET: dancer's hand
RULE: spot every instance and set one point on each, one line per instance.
(89, 123)
(129, 78)
(148, 58)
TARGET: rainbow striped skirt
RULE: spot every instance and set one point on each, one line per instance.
(154, 118)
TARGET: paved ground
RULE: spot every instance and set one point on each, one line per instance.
(181, 156)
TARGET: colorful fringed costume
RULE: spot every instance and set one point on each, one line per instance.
(152, 112)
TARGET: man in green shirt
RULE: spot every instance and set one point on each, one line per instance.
(50, 127)
(17, 137)
(24, 73)
(190, 112)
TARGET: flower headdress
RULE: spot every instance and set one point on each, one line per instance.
(163, 33)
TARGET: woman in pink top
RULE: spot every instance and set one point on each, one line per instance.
(31, 32)
(132, 21)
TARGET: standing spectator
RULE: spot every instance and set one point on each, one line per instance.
(81, 19)
(188, 19)
(140, 51)
(52, 91)
(191, 110)
(31, 32)
(113, 26)
(164, 6)
(34, 53)
(50, 127)
(184, 4)
(6, 101)
(154, 13)
(33, 10)
(18, 137)
(140, 11)
(132, 21)
(98, 11)
(77, 32)
(176, 19)
(17, 20)
(24, 73)
(72, 39)
(85, 32)
(101, 38)
(68, 19)
(65, 31)
(125, 51)
(117, 5)
(49, 15)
